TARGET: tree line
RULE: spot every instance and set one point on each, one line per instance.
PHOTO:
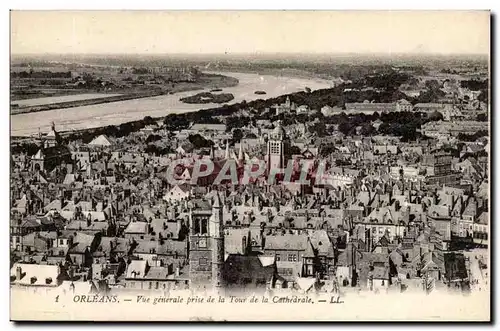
(40, 74)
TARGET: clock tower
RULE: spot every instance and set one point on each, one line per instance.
(277, 148)
(206, 246)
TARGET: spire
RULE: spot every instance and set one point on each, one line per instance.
(241, 156)
(226, 155)
(212, 152)
(39, 155)
(217, 202)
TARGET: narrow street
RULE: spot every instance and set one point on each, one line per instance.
(478, 276)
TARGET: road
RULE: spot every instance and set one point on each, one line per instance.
(478, 276)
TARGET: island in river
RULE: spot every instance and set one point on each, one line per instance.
(116, 113)
(51, 99)
(207, 97)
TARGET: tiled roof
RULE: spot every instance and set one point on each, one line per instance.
(286, 242)
(136, 269)
(137, 227)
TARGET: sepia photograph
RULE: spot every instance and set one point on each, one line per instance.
(191, 165)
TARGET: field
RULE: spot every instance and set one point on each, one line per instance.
(61, 99)
(49, 87)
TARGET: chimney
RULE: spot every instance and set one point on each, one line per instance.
(179, 225)
(244, 245)
(76, 198)
(350, 253)
(369, 240)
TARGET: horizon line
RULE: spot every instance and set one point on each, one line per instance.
(259, 53)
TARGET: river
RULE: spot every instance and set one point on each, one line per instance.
(114, 113)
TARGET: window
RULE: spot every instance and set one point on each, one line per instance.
(278, 257)
(150, 285)
(203, 261)
(61, 242)
(157, 285)
(292, 258)
(204, 226)
(275, 148)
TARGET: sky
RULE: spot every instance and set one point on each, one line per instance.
(218, 32)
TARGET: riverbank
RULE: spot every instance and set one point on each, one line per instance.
(205, 81)
(78, 103)
(285, 72)
(116, 113)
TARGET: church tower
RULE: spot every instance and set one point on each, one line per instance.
(277, 146)
(52, 138)
(217, 237)
(206, 246)
(38, 161)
